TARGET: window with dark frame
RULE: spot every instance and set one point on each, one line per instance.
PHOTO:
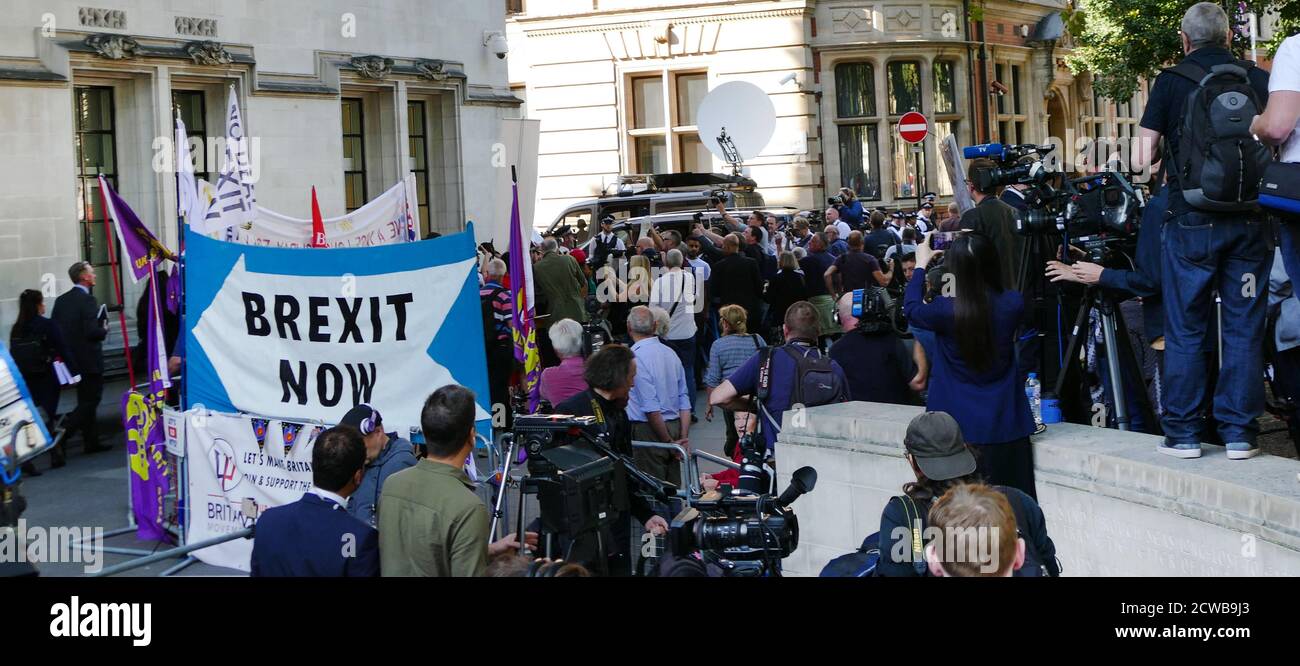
(418, 145)
(858, 128)
(354, 154)
(95, 143)
(191, 107)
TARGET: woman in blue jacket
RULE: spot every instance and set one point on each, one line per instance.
(973, 374)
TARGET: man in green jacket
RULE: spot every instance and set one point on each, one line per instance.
(431, 522)
(561, 289)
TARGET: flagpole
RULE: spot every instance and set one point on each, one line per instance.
(117, 286)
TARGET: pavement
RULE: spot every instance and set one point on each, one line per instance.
(93, 491)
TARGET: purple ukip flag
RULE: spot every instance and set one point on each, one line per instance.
(156, 347)
(150, 474)
(141, 251)
(521, 296)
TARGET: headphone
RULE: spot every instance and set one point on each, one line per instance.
(371, 422)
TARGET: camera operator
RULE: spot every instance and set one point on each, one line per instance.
(1205, 250)
(1014, 195)
(610, 374)
(995, 220)
(786, 374)
(973, 374)
(849, 208)
(875, 361)
(1142, 281)
(941, 460)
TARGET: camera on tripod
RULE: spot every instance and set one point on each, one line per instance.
(744, 533)
(1016, 164)
(1098, 214)
(595, 332)
(579, 488)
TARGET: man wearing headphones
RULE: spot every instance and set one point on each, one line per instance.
(386, 454)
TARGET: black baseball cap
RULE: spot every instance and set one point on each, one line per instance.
(363, 417)
(935, 442)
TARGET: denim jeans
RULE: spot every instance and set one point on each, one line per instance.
(1204, 252)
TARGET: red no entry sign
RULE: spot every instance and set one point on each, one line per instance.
(913, 127)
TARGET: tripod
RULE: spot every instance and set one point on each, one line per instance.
(1120, 356)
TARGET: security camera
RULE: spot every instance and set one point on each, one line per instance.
(497, 43)
(788, 78)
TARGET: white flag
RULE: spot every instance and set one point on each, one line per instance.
(235, 203)
(188, 202)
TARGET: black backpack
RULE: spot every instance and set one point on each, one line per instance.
(31, 356)
(815, 381)
(1218, 161)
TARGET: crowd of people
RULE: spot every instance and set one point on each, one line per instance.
(766, 315)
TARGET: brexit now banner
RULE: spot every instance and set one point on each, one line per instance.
(305, 334)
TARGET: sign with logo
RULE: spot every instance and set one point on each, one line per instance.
(913, 127)
(304, 335)
(233, 479)
(16, 407)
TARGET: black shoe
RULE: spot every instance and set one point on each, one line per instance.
(98, 448)
(29, 469)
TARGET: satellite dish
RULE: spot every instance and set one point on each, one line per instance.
(742, 115)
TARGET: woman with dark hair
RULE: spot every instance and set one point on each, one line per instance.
(973, 376)
(940, 459)
(35, 342)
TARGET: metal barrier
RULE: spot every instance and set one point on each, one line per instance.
(175, 552)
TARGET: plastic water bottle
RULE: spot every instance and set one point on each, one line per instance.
(1033, 391)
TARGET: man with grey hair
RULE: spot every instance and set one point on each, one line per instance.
(498, 340)
(561, 289)
(1205, 250)
(675, 291)
(564, 380)
(84, 328)
(659, 405)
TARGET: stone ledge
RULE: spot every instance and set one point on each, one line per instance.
(1258, 497)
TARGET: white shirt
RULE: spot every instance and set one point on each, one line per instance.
(844, 229)
(677, 288)
(1285, 75)
(605, 238)
(333, 497)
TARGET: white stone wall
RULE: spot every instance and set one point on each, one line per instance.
(1113, 505)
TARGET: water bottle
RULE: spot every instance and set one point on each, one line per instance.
(1033, 391)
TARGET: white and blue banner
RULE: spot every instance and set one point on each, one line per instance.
(305, 334)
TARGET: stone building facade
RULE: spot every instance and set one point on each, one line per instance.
(344, 96)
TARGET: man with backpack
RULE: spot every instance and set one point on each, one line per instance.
(1214, 238)
(795, 375)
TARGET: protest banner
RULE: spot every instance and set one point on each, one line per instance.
(305, 334)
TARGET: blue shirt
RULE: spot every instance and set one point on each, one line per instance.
(728, 353)
(838, 247)
(852, 213)
(660, 382)
(781, 389)
(814, 267)
(990, 406)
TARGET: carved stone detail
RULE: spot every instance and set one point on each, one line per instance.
(113, 47)
(847, 20)
(433, 70)
(208, 53)
(373, 67)
(196, 27)
(102, 18)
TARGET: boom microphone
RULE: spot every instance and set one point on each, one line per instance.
(994, 150)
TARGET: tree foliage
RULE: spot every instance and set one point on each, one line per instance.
(1121, 42)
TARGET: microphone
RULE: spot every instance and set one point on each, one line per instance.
(802, 481)
(994, 150)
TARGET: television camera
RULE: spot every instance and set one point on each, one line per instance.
(742, 532)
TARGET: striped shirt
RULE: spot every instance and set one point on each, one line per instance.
(502, 309)
(728, 353)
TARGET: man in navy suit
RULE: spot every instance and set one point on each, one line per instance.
(316, 536)
(77, 314)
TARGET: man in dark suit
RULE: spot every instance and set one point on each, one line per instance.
(735, 279)
(1014, 196)
(995, 220)
(316, 536)
(77, 314)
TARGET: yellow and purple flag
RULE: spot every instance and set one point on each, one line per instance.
(521, 295)
(140, 249)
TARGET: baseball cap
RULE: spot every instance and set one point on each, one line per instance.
(935, 442)
(363, 417)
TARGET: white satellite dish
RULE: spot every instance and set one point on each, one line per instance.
(744, 113)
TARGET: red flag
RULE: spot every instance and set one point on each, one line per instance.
(317, 224)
